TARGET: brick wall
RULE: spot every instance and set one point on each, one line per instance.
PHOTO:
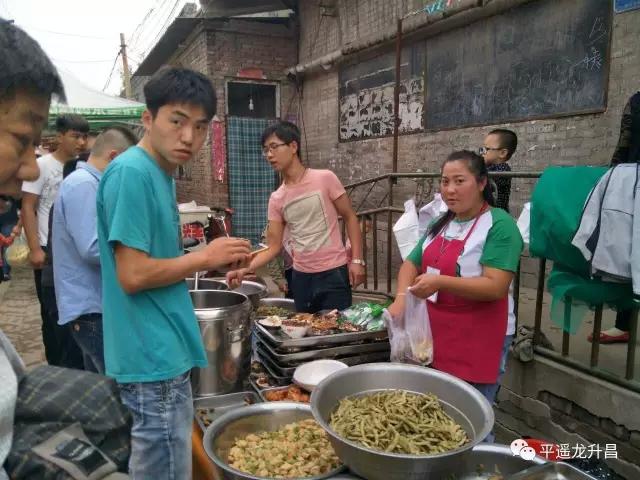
(584, 139)
(220, 49)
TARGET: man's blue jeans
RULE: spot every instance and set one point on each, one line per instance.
(161, 432)
(86, 330)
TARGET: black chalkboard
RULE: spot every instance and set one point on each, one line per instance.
(545, 58)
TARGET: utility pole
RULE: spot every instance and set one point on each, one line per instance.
(125, 67)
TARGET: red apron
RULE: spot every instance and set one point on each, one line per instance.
(468, 335)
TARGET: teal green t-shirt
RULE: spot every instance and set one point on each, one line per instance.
(152, 335)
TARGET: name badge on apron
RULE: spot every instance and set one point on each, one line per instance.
(433, 271)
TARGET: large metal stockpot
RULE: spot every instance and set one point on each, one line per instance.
(206, 284)
(253, 290)
(225, 325)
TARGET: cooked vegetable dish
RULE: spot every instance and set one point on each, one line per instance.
(398, 421)
(297, 450)
(292, 393)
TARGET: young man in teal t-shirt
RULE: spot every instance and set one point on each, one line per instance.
(151, 336)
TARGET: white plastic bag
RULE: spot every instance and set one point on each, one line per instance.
(429, 213)
(17, 253)
(418, 328)
(406, 229)
(410, 336)
(398, 339)
(524, 221)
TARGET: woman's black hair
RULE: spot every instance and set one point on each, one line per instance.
(475, 164)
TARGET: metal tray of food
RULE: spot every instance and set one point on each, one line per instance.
(296, 358)
(350, 360)
(263, 393)
(552, 471)
(281, 340)
(275, 375)
(208, 409)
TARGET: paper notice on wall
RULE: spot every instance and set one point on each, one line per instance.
(218, 150)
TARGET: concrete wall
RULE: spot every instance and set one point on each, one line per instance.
(538, 400)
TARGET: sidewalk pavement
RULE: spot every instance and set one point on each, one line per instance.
(20, 316)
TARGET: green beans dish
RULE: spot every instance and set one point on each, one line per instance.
(271, 310)
(398, 421)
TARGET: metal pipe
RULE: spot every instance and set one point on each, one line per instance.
(405, 175)
(595, 340)
(631, 345)
(389, 235)
(363, 229)
(542, 266)
(423, 27)
(375, 251)
(516, 294)
(566, 327)
(396, 97)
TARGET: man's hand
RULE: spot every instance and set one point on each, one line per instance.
(283, 287)
(235, 277)
(36, 258)
(425, 285)
(225, 251)
(356, 274)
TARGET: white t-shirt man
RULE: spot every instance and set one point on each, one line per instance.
(46, 187)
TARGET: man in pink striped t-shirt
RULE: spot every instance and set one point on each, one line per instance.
(308, 203)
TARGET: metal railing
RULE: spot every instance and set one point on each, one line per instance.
(383, 210)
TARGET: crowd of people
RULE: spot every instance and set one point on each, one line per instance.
(109, 266)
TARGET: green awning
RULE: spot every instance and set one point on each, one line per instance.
(99, 108)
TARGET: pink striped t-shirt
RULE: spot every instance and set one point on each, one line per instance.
(307, 209)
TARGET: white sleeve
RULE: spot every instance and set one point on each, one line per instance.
(36, 186)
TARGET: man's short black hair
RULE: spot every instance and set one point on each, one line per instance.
(24, 65)
(71, 121)
(180, 85)
(508, 140)
(115, 137)
(286, 131)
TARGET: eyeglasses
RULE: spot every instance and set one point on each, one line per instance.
(485, 150)
(271, 147)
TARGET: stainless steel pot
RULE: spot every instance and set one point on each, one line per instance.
(253, 290)
(460, 400)
(207, 284)
(223, 432)
(225, 325)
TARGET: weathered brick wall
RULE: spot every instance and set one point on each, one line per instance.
(584, 139)
(220, 49)
(237, 45)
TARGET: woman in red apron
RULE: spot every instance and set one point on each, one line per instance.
(464, 267)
